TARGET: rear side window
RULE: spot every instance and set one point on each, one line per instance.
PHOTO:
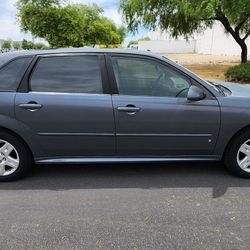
(68, 74)
(11, 74)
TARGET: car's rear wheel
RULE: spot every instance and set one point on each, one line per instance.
(15, 157)
(237, 155)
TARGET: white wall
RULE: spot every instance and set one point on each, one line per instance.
(212, 41)
(168, 46)
(216, 42)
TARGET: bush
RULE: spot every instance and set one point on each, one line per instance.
(239, 73)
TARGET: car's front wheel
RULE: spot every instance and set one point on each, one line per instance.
(15, 158)
(237, 155)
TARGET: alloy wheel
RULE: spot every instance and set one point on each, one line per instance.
(9, 158)
(243, 156)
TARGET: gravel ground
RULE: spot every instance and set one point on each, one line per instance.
(152, 206)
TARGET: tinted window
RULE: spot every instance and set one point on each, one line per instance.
(11, 74)
(9, 56)
(143, 77)
(69, 74)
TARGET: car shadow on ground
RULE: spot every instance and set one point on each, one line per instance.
(145, 176)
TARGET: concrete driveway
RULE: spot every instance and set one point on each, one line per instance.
(152, 206)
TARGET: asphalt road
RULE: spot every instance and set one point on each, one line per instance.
(152, 206)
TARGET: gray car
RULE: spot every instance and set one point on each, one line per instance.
(90, 105)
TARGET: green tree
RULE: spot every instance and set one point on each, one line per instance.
(7, 44)
(40, 46)
(122, 32)
(92, 30)
(16, 45)
(99, 29)
(106, 32)
(27, 44)
(181, 17)
(72, 25)
(61, 26)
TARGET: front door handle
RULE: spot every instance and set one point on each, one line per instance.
(130, 109)
(30, 106)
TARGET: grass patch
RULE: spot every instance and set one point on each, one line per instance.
(239, 73)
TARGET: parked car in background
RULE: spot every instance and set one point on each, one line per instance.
(93, 105)
(134, 46)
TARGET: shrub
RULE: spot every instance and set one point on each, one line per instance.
(239, 73)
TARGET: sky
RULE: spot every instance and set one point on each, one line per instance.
(9, 27)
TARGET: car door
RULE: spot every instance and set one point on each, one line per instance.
(152, 114)
(66, 103)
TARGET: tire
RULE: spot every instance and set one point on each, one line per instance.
(15, 162)
(236, 155)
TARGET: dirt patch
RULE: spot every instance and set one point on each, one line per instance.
(209, 67)
(209, 71)
(186, 59)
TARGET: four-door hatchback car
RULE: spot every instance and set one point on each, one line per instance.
(90, 105)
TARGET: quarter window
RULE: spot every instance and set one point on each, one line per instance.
(11, 74)
(144, 77)
(68, 74)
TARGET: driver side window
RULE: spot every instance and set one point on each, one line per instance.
(144, 77)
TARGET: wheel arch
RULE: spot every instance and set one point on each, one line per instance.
(240, 131)
(26, 134)
(9, 131)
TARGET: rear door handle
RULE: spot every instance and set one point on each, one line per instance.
(30, 106)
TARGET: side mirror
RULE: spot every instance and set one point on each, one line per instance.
(195, 94)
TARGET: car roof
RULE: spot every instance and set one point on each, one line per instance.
(78, 50)
(8, 56)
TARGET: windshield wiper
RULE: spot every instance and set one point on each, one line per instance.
(221, 89)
